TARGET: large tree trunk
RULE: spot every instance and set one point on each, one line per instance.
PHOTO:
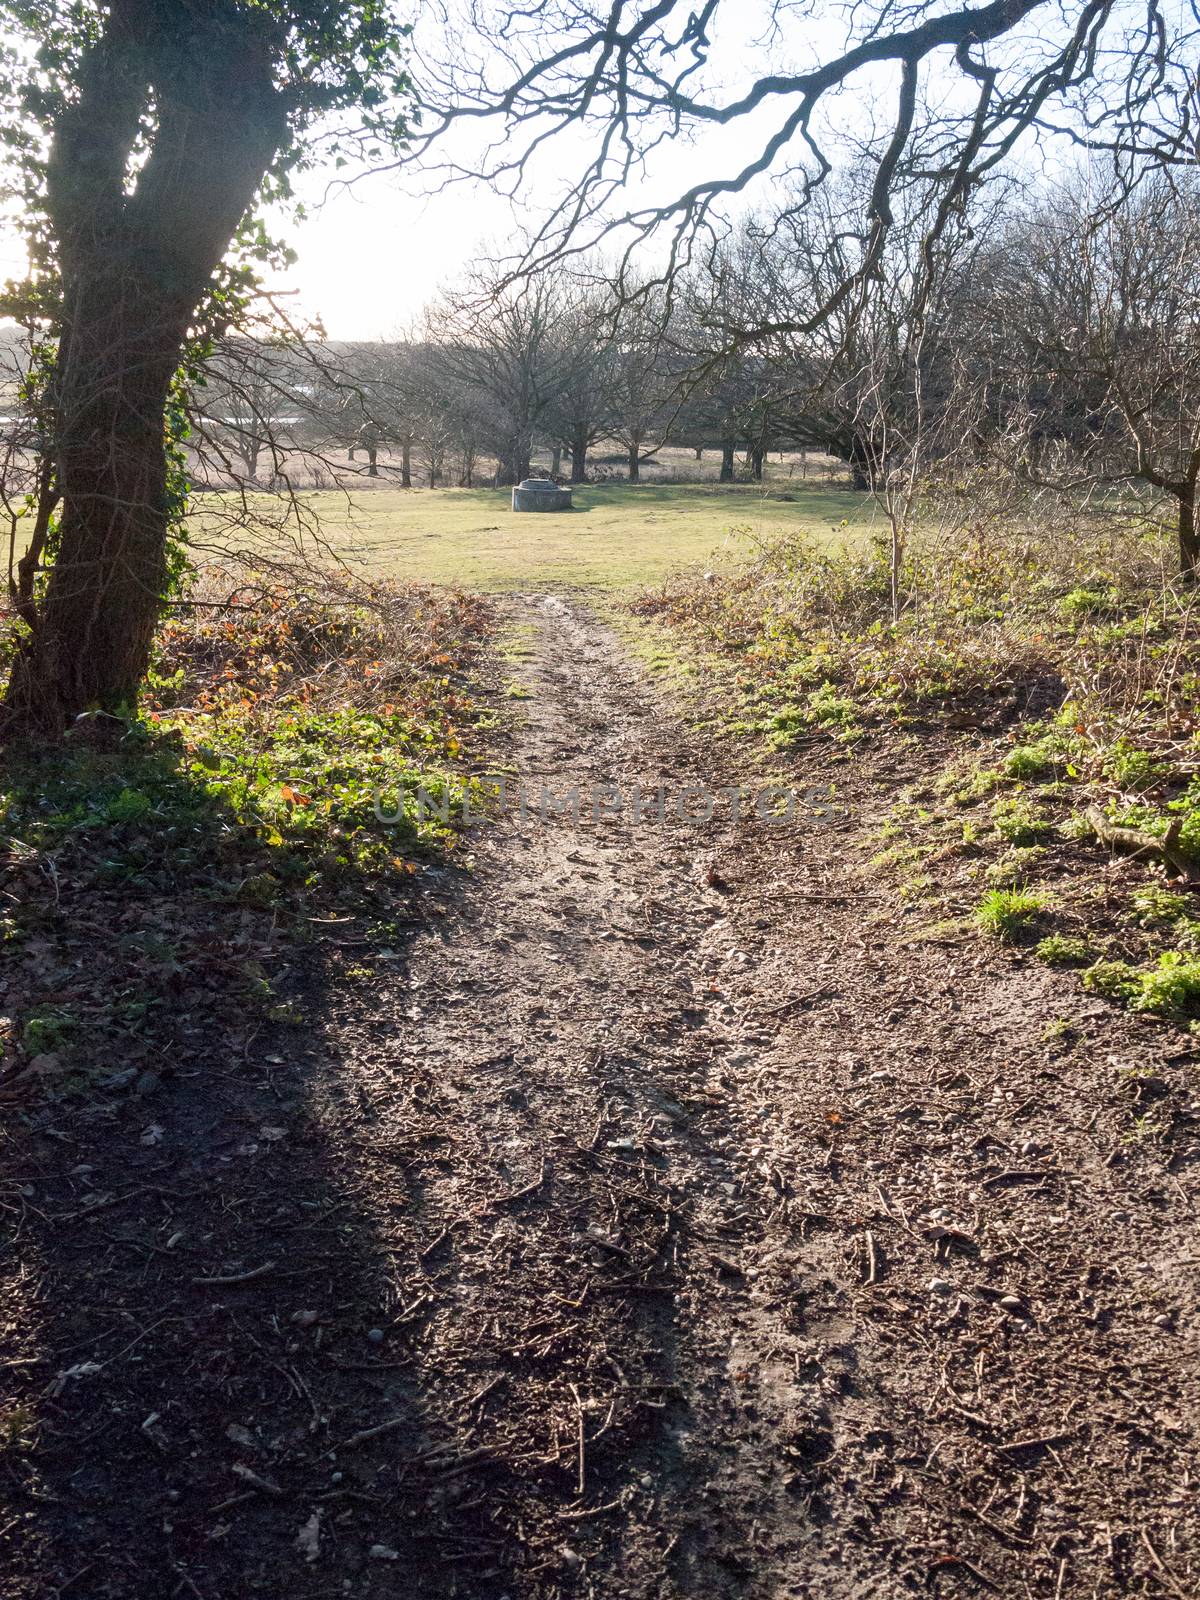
(515, 467)
(727, 449)
(635, 460)
(1189, 540)
(579, 450)
(757, 456)
(91, 641)
(251, 450)
(556, 461)
(863, 466)
(406, 463)
(135, 266)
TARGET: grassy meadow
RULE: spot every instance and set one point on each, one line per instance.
(617, 535)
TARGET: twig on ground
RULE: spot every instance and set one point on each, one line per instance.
(226, 1278)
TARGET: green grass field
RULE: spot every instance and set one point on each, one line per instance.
(616, 536)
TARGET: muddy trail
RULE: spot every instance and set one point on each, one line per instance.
(654, 1220)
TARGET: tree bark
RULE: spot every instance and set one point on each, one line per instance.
(579, 450)
(515, 466)
(406, 464)
(727, 449)
(134, 266)
(556, 461)
(861, 463)
(1189, 540)
(635, 458)
(757, 456)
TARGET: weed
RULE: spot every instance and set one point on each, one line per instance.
(1015, 866)
(1061, 950)
(48, 1029)
(1060, 1031)
(254, 800)
(1153, 905)
(1150, 819)
(1113, 980)
(1134, 769)
(1006, 913)
(1146, 1125)
(1088, 600)
(18, 1425)
(1032, 761)
(1170, 987)
(1019, 822)
(1076, 828)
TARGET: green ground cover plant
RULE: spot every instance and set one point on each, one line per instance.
(618, 536)
(1050, 679)
(156, 868)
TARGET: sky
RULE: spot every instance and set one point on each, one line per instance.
(371, 255)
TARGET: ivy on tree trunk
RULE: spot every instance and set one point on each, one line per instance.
(162, 122)
(134, 265)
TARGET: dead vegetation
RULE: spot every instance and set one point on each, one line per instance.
(158, 877)
(1049, 675)
(634, 1210)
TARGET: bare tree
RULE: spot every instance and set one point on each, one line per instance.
(1096, 306)
(511, 345)
(644, 388)
(581, 413)
(251, 397)
(620, 79)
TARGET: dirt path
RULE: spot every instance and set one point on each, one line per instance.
(652, 1222)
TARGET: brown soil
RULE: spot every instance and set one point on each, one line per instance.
(654, 1221)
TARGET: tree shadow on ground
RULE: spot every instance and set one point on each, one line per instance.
(224, 1279)
(197, 1286)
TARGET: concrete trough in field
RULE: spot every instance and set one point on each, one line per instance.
(540, 494)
